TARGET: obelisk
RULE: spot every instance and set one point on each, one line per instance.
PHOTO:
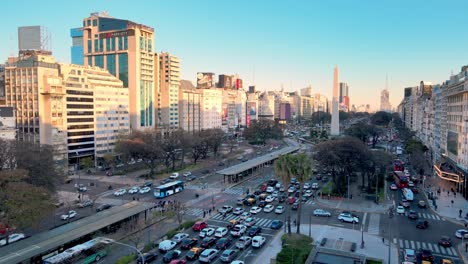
(335, 121)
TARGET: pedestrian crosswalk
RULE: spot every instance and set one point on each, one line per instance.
(262, 222)
(430, 216)
(194, 211)
(310, 202)
(416, 245)
(235, 190)
(374, 224)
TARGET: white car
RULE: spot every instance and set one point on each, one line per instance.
(315, 186)
(278, 185)
(179, 237)
(411, 184)
(306, 185)
(237, 262)
(12, 238)
(249, 222)
(225, 209)
(207, 232)
(167, 245)
(238, 230)
(268, 208)
(275, 194)
(254, 210)
(400, 210)
(120, 192)
(291, 189)
(145, 190)
(174, 175)
(221, 232)
(461, 233)
(321, 212)
(270, 189)
(258, 241)
(348, 217)
(279, 209)
(134, 189)
(269, 199)
(238, 211)
(208, 255)
(308, 193)
(188, 173)
(243, 242)
(69, 215)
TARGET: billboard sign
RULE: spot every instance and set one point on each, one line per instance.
(205, 80)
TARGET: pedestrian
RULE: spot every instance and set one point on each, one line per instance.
(460, 213)
(209, 211)
(455, 194)
(213, 208)
(448, 193)
(383, 240)
(204, 213)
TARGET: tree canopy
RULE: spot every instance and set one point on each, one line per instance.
(260, 130)
(381, 118)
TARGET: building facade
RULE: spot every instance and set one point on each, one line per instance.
(190, 107)
(7, 123)
(31, 38)
(77, 50)
(211, 108)
(169, 86)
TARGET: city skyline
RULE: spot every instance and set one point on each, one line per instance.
(365, 43)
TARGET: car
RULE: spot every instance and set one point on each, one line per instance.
(238, 230)
(174, 175)
(400, 210)
(167, 245)
(205, 171)
(240, 158)
(319, 177)
(208, 242)
(240, 201)
(120, 165)
(147, 258)
(120, 192)
(263, 188)
(270, 189)
(206, 232)
(268, 208)
(422, 224)
(147, 184)
(307, 193)
(321, 212)
(295, 205)
(250, 201)
(194, 253)
(291, 200)
(188, 242)
(229, 255)
(246, 215)
(276, 224)
(282, 199)
(223, 243)
(208, 255)
(225, 209)
(179, 237)
(165, 181)
(279, 209)
(306, 186)
(250, 222)
(278, 185)
(85, 204)
(103, 207)
(461, 233)
(221, 231)
(245, 159)
(315, 186)
(348, 217)
(410, 184)
(291, 189)
(191, 178)
(262, 204)
(426, 254)
(238, 211)
(422, 204)
(393, 187)
(171, 255)
(409, 255)
(69, 215)
(254, 231)
(198, 226)
(243, 242)
(445, 261)
(297, 194)
(293, 180)
(281, 189)
(275, 194)
(145, 190)
(412, 215)
(12, 238)
(178, 261)
(269, 199)
(445, 241)
(221, 164)
(134, 189)
(258, 241)
(82, 188)
(325, 179)
(405, 203)
(187, 174)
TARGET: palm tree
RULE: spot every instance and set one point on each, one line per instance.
(283, 170)
(302, 171)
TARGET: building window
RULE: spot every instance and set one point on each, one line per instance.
(96, 45)
(120, 43)
(101, 45)
(113, 44)
(108, 44)
(123, 68)
(99, 61)
(125, 47)
(94, 22)
(90, 46)
(90, 60)
(111, 63)
(88, 22)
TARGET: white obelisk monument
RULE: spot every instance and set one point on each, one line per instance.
(335, 120)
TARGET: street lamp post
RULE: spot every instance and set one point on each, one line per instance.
(362, 236)
(129, 246)
(310, 225)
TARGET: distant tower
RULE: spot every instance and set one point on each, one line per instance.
(335, 122)
(385, 98)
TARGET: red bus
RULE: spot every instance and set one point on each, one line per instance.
(401, 180)
(398, 165)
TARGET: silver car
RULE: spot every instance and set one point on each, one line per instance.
(208, 255)
(321, 212)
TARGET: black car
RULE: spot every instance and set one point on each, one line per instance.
(148, 184)
(257, 192)
(422, 224)
(206, 171)
(223, 243)
(445, 241)
(412, 215)
(103, 207)
(272, 182)
(319, 177)
(325, 179)
(426, 254)
(281, 199)
(147, 257)
(297, 194)
(171, 255)
(221, 164)
(254, 231)
(188, 243)
(295, 206)
(245, 159)
(262, 204)
(208, 242)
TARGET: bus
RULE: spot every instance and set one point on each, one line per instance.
(91, 251)
(408, 194)
(401, 180)
(398, 165)
(168, 189)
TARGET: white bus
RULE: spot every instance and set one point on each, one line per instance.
(408, 194)
(88, 252)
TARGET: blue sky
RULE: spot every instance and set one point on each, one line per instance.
(289, 43)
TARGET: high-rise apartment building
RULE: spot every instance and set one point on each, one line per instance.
(190, 107)
(77, 50)
(126, 50)
(7, 123)
(385, 101)
(343, 91)
(2, 84)
(211, 110)
(169, 86)
(266, 105)
(32, 38)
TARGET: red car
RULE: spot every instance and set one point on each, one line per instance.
(291, 200)
(263, 187)
(178, 261)
(198, 226)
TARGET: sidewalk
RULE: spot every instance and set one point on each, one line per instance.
(374, 248)
(462, 252)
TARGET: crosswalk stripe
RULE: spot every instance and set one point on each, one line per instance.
(420, 215)
(268, 222)
(436, 249)
(424, 245)
(412, 244)
(261, 221)
(401, 243)
(418, 245)
(394, 240)
(452, 251)
(430, 246)
(406, 244)
(437, 217)
(443, 250)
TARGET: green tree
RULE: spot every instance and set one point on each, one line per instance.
(320, 118)
(381, 118)
(261, 130)
(87, 163)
